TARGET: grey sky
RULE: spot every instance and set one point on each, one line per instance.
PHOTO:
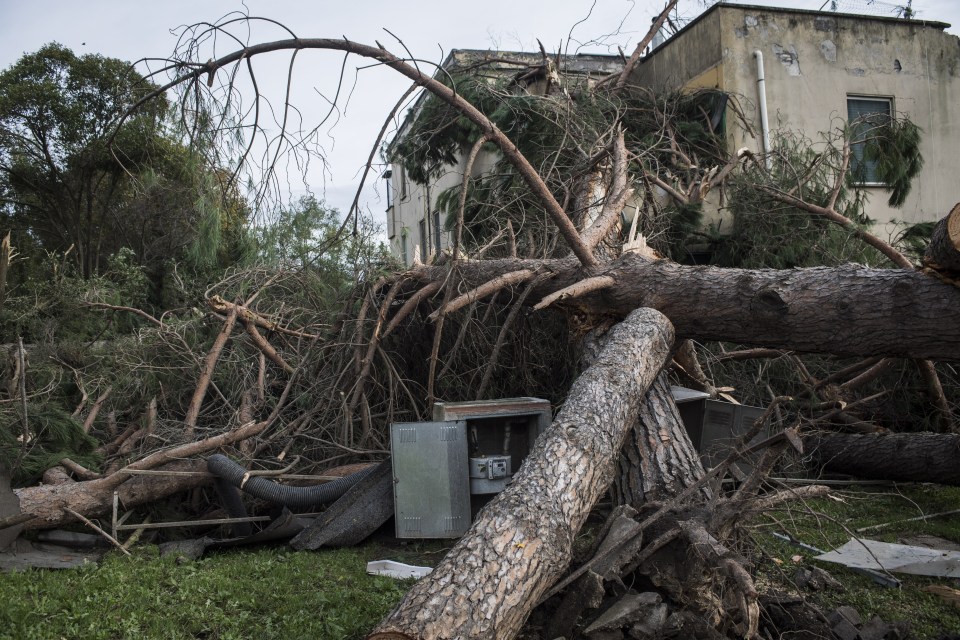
(130, 30)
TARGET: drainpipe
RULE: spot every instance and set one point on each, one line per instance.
(762, 93)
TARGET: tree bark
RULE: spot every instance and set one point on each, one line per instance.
(849, 311)
(658, 459)
(522, 541)
(95, 497)
(905, 457)
(943, 253)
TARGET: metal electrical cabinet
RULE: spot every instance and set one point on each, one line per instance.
(470, 449)
(723, 424)
(431, 492)
(714, 425)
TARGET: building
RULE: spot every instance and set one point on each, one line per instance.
(414, 223)
(821, 68)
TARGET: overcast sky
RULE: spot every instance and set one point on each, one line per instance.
(133, 29)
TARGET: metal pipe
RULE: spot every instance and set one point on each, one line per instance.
(762, 99)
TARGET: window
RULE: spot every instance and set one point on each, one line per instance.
(424, 245)
(391, 214)
(436, 232)
(403, 247)
(388, 178)
(864, 115)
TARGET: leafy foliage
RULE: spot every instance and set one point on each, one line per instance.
(52, 435)
(915, 238)
(767, 234)
(308, 234)
(49, 306)
(565, 132)
(81, 181)
(894, 147)
(67, 186)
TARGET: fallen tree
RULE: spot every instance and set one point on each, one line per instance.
(522, 541)
(51, 504)
(899, 457)
(943, 253)
(848, 310)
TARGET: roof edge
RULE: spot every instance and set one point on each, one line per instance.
(810, 12)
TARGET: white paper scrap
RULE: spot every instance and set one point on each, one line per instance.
(394, 569)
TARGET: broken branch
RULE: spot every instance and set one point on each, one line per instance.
(206, 373)
(576, 290)
(484, 290)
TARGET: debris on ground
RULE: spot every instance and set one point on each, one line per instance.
(23, 554)
(847, 624)
(393, 569)
(860, 553)
(631, 608)
(816, 579)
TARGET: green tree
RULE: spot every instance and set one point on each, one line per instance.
(69, 175)
(309, 234)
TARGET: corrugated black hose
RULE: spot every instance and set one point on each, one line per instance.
(223, 467)
(233, 504)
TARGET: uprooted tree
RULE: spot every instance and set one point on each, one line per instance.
(622, 303)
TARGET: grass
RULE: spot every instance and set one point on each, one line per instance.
(829, 522)
(274, 592)
(251, 593)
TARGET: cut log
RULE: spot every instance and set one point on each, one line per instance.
(522, 541)
(905, 457)
(943, 253)
(850, 310)
(95, 497)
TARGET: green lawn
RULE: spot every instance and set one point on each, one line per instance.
(273, 592)
(828, 522)
(250, 593)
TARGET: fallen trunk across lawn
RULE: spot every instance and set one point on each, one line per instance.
(521, 543)
(902, 457)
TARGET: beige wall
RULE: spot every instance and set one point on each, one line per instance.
(678, 60)
(813, 62)
(413, 203)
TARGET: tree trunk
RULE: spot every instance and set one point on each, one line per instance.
(904, 457)
(847, 311)
(6, 252)
(522, 541)
(95, 497)
(658, 459)
(943, 254)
